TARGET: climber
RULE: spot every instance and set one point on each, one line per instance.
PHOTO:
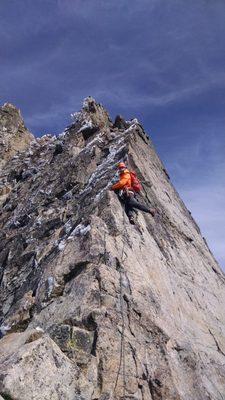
(126, 188)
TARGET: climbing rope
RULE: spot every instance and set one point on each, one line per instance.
(122, 343)
(122, 361)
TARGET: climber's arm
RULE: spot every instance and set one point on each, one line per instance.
(122, 182)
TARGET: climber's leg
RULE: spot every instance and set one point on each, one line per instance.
(129, 211)
(135, 204)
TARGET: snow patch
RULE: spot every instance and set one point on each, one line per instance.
(62, 134)
(68, 226)
(38, 221)
(87, 125)
(80, 230)
(50, 285)
(97, 139)
(86, 102)
(62, 245)
(131, 127)
(76, 116)
(135, 121)
(107, 165)
(39, 329)
(4, 329)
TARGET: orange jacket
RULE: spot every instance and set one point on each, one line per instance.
(124, 182)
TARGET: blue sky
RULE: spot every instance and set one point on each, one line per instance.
(161, 61)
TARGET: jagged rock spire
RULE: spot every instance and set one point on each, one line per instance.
(14, 136)
(91, 118)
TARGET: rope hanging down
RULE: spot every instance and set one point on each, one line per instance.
(122, 362)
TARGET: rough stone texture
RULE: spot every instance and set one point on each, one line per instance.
(14, 137)
(133, 312)
(13, 134)
(38, 370)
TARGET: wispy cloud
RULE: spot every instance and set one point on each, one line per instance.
(164, 97)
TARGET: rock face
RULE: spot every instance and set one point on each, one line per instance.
(93, 307)
(14, 136)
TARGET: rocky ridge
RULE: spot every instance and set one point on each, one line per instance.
(91, 306)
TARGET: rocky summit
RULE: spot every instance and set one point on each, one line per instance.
(93, 307)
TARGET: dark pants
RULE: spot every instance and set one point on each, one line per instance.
(131, 203)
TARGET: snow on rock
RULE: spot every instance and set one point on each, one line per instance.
(97, 140)
(76, 116)
(87, 101)
(80, 230)
(4, 329)
(61, 245)
(50, 285)
(87, 125)
(63, 134)
(135, 121)
(108, 164)
(68, 226)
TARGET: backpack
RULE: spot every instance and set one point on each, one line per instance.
(135, 183)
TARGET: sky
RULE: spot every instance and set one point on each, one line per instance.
(161, 61)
